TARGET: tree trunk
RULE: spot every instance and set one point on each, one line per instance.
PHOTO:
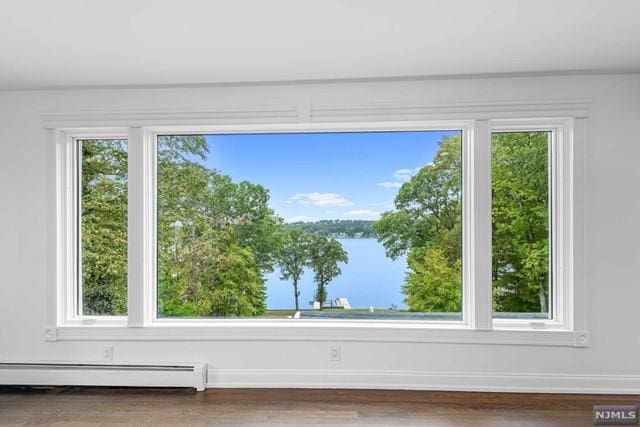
(296, 293)
(543, 300)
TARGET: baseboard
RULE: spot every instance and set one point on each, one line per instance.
(420, 380)
(198, 376)
(104, 374)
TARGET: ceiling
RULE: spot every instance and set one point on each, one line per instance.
(91, 43)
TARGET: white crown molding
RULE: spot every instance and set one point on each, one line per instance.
(578, 108)
(425, 380)
(312, 113)
(66, 120)
(419, 78)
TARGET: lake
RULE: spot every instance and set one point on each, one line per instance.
(369, 279)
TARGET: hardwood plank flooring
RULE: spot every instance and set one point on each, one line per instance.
(106, 407)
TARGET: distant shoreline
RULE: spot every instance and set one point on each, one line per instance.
(338, 228)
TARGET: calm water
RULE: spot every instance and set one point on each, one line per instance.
(369, 279)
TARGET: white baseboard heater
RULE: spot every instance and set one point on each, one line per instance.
(104, 374)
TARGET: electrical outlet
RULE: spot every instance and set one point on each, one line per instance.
(107, 353)
(334, 353)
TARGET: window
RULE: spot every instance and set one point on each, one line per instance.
(399, 226)
(521, 226)
(102, 289)
(345, 225)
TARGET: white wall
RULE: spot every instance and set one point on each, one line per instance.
(612, 207)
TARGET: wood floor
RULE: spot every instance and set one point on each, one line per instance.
(84, 406)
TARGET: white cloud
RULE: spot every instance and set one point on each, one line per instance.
(320, 199)
(363, 214)
(401, 176)
(390, 184)
(404, 175)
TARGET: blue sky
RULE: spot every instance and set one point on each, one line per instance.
(313, 176)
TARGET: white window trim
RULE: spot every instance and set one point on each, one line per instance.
(68, 292)
(475, 120)
(465, 127)
(561, 175)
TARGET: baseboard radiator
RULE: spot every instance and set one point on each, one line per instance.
(104, 374)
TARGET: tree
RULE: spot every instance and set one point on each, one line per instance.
(324, 256)
(104, 227)
(355, 228)
(232, 282)
(428, 207)
(293, 257)
(520, 221)
(427, 226)
(216, 238)
(433, 282)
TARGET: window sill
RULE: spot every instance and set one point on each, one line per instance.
(305, 331)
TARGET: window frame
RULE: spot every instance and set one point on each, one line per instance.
(478, 325)
(561, 286)
(463, 126)
(68, 165)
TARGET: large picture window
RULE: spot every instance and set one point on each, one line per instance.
(311, 225)
(401, 227)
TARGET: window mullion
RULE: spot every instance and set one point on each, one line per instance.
(141, 178)
(478, 227)
(574, 309)
(62, 239)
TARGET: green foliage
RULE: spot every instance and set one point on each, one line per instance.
(293, 257)
(324, 256)
(520, 221)
(103, 211)
(338, 228)
(216, 238)
(433, 283)
(427, 224)
(428, 207)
